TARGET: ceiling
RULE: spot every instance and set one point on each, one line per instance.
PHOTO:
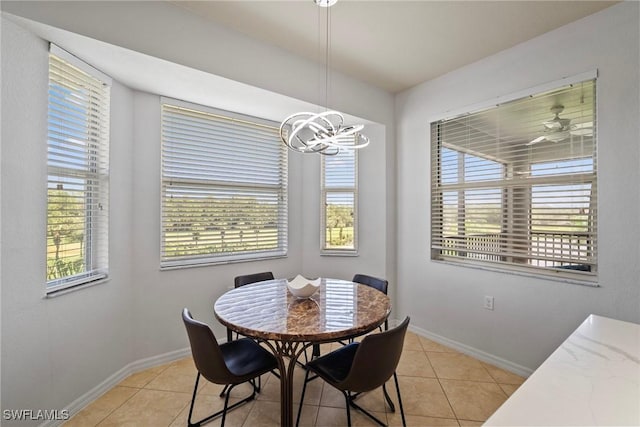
(505, 132)
(395, 44)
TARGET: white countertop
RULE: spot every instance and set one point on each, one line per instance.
(592, 379)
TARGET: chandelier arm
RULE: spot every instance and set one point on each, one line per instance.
(323, 133)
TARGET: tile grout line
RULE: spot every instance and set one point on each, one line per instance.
(180, 411)
(117, 407)
(126, 400)
(442, 388)
(484, 382)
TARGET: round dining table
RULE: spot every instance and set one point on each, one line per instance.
(267, 311)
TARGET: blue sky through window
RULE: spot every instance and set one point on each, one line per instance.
(583, 165)
(476, 168)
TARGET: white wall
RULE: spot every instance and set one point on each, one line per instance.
(532, 316)
(56, 350)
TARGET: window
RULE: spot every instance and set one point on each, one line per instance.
(224, 187)
(339, 229)
(78, 173)
(514, 186)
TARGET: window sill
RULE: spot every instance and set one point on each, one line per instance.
(54, 293)
(554, 276)
(339, 253)
(210, 263)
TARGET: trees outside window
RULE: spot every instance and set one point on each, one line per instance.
(78, 173)
(224, 186)
(339, 192)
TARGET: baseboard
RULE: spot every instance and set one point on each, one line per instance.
(106, 385)
(471, 351)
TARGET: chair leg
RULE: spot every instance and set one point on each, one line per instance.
(229, 335)
(193, 401)
(395, 377)
(224, 390)
(388, 398)
(315, 353)
(222, 412)
(226, 404)
(348, 403)
(304, 388)
(256, 386)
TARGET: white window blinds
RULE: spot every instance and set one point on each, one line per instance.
(224, 187)
(78, 172)
(339, 202)
(516, 184)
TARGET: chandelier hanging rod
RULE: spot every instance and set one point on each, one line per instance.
(324, 133)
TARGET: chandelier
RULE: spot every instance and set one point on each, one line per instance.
(324, 133)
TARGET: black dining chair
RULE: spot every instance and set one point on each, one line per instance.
(361, 367)
(248, 279)
(227, 364)
(239, 281)
(376, 283)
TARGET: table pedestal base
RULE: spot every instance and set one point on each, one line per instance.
(284, 350)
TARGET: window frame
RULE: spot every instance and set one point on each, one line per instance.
(576, 179)
(281, 191)
(325, 190)
(63, 153)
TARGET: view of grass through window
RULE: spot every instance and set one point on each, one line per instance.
(339, 221)
(339, 193)
(217, 224)
(66, 226)
(224, 186)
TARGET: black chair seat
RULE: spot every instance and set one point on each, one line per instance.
(334, 367)
(245, 359)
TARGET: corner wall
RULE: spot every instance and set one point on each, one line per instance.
(532, 316)
(55, 349)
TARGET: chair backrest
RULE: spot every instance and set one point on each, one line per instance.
(252, 278)
(374, 282)
(206, 351)
(376, 359)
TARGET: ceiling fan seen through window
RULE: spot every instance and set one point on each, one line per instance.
(558, 129)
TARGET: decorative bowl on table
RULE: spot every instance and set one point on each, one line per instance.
(301, 287)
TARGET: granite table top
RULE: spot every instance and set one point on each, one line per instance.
(267, 310)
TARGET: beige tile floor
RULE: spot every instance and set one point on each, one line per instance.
(439, 386)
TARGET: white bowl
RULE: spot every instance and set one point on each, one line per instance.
(301, 287)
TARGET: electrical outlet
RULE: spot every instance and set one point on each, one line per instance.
(488, 302)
